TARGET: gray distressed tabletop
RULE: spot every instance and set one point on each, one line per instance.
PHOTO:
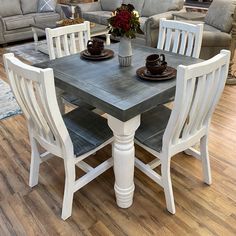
(115, 90)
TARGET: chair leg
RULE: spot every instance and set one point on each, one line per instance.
(35, 163)
(69, 189)
(167, 185)
(205, 160)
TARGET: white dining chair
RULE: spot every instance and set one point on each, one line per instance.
(165, 133)
(72, 137)
(180, 37)
(65, 41)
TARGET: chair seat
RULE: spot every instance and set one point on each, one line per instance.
(87, 130)
(152, 127)
(76, 101)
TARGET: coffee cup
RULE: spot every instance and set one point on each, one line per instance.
(95, 46)
(156, 64)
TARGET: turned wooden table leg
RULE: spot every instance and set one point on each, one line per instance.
(123, 154)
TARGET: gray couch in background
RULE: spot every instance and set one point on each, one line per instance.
(150, 13)
(218, 28)
(16, 16)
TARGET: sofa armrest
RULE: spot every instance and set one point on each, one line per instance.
(154, 20)
(151, 28)
(59, 11)
(87, 7)
(2, 39)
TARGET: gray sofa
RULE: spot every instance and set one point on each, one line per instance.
(16, 16)
(218, 25)
(150, 12)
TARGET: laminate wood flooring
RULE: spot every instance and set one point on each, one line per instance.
(200, 209)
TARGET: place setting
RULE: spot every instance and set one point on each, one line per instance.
(156, 69)
(95, 51)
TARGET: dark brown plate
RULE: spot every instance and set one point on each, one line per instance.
(88, 54)
(169, 73)
(106, 54)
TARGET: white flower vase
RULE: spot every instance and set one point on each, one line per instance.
(125, 52)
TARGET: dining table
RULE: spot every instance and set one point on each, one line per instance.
(122, 95)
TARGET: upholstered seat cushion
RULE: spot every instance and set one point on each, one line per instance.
(99, 17)
(213, 37)
(87, 130)
(138, 4)
(154, 7)
(152, 127)
(29, 6)
(17, 22)
(46, 17)
(110, 5)
(220, 14)
(10, 8)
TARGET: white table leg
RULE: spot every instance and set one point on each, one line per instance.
(73, 12)
(108, 39)
(123, 154)
(36, 40)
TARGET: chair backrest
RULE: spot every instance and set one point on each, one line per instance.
(34, 91)
(180, 37)
(67, 40)
(198, 90)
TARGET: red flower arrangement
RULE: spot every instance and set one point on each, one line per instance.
(124, 22)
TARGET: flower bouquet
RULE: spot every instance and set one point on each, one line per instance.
(124, 23)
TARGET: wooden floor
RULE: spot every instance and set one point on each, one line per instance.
(200, 209)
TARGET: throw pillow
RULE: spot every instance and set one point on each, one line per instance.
(220, 14)
(29, 6)
(153, 7)
(110, 5)
(138, 4)
(46, 5)
(10, 8)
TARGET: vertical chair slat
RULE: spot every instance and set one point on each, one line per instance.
(181, 37)
(168, 40)
(176, 41)
(58, 46)
(73, 49)
(190, 45)
(65, 45)
(184, 37)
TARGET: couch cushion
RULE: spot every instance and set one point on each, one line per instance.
(46, 17)
(17, 22)
(99, 17)
(46, 5)
(153, 7)
(213, 37)
(110, 5)
(217, 39)
(138, 4)
(10, 8)
(29, 6)
(220, 14)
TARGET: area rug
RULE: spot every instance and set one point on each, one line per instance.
(8, 104)
(27, 52)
